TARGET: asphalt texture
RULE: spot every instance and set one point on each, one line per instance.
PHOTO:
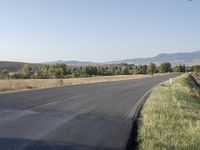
(80, 117)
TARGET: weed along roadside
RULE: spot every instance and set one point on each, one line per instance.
(170, 118)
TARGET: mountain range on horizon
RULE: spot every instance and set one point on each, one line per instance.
(187, 58)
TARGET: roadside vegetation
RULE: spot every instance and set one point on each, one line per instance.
(170, 118)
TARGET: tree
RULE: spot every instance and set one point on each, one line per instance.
(55, 71)
(152, 69)
(43, 72)
(99, 70)
(165, 67)
(26, 71)
(64, 67)
(4, 74)
(196, 69)
(18, 75)
(125, 70)
(180, 68)
(90, 70)
(141, 69)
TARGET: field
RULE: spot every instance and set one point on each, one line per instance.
(170, 118)
(12, 85)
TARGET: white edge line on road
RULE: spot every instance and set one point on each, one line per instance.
(136, 108)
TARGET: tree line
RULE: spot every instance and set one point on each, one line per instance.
(64, 71)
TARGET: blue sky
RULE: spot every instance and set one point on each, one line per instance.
(96, 30)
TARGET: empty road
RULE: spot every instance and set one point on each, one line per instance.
(80, 117)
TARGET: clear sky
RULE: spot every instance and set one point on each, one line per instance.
(96, 30)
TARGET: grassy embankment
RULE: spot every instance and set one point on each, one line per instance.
(170, 118)
(12, 85)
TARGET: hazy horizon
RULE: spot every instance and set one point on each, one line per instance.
(97, 31)
(99, 61)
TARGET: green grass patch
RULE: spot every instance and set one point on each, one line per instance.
(170, 118)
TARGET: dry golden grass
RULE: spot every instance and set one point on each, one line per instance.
(24, 84)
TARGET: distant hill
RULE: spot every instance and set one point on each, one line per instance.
(187, 58)
(16, 66)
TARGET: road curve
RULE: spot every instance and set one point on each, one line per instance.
(80, 117)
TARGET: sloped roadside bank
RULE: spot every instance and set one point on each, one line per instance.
(170, 118)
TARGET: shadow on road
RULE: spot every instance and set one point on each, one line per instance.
(132, 141)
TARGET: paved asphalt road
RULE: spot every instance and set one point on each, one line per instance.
(80, 117)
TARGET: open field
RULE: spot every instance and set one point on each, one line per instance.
(12, 85)
(170, 118)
